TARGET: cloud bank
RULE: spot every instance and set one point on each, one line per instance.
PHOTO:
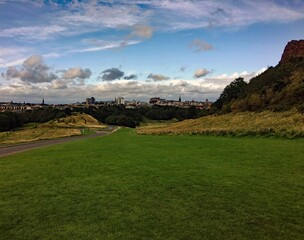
(35, 71)
(69, 87)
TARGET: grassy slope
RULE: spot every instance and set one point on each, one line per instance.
(128, 186)
(286, 124)
(63, 127)
(78, 120)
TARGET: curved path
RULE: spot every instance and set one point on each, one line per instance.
(4, 151)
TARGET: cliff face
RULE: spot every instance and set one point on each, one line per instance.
(293, 49)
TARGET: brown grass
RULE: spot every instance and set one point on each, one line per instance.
(285, 124)
(63, 127)
(78, 120)
(39, 133)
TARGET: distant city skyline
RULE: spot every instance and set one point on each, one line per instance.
(66, 51)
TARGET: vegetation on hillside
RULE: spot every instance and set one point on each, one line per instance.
(280, 124)
(279, 88)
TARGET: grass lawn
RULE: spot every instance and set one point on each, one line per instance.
(129, 186)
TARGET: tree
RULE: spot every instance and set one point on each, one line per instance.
(233, 91)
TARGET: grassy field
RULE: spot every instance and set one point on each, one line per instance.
(129, 186)
(64, 127)
(280, 124)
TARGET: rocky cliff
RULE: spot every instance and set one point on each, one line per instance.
(293, 49)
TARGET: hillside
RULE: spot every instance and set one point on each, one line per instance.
(271, 104)
(75, 121)
(77, 124)
(281, 124)
(279, 88)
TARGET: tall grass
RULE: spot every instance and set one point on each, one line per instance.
(281, 124)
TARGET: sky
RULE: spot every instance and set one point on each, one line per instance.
(67, 50)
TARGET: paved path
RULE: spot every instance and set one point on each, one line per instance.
(4, 151)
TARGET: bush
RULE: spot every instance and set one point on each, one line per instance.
(10, 120)
(121, 120)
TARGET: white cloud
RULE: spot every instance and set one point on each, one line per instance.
(91, 13)
(78, 17)
(33, 61)
(158, 77)
(33, 70)
(200, 45)
(13, 55)
(59, 84)
(202, 72)
(189, 14)
(104, 45)
(34, 32)
(77, 72)
(224, 79)
(52, 55)
(141, 31)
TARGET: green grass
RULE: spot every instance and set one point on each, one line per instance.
(128, 186)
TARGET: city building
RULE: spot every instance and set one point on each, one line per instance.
(120, 101)
(187, 104)
(90, 100)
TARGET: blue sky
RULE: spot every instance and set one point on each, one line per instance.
(65, 51)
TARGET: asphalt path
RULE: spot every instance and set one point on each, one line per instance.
(4, 151)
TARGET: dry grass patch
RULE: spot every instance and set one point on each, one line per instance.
(39, 133)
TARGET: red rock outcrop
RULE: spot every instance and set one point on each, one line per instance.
(293, 49)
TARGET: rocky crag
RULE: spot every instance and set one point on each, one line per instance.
(293, 49)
